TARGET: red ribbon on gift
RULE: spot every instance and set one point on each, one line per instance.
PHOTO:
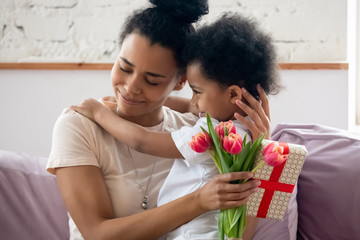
(273, 185)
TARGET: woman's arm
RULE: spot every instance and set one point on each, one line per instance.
(181, 104)
(158, 144)
(251, 224)
(89, 204)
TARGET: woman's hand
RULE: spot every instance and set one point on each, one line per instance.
(258, 111)
(219, 193)
(90, 108)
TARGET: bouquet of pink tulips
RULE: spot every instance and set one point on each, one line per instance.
(231, 153)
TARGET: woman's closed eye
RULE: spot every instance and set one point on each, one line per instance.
(196, 92)
(151, 82)
(125, 70)
(128, 70)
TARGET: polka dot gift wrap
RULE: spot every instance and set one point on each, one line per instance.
(277, 183)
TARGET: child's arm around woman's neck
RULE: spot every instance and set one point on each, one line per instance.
(158, 144)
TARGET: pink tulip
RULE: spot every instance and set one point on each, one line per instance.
(232, 143)
(200, 142)
(274, 154)
(220, 128)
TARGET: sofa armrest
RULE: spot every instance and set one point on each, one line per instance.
(31, 206)
(328, 188)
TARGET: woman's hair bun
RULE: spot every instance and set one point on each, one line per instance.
(188, 11)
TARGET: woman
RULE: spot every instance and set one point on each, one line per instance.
(109, 189)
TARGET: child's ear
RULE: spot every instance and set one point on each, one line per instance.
(181, 83)
(235, 93)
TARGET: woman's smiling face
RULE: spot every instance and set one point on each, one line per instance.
(143, 77)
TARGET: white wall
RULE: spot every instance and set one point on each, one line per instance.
(30, 101)
(87, 30)
(313, 97)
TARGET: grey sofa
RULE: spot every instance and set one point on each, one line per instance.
(327, 201)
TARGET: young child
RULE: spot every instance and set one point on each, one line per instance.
(224, 58)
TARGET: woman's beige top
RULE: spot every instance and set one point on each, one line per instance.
(79, 141)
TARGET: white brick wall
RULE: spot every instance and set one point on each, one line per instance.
(87, 30)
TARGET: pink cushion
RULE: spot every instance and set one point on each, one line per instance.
(30, 204)
(328, 188)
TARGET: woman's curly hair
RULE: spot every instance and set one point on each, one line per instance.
(234, 51)
(167, 23)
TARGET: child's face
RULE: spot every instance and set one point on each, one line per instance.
(208, 96)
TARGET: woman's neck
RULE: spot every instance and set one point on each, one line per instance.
(146, 120)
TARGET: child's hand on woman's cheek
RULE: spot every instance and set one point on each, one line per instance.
(258, 112)
(219, 193)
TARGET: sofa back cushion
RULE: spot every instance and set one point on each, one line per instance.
(30, 204)
(328, 188)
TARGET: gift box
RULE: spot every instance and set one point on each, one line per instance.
(277, 183)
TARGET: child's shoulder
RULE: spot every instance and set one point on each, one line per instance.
(176, 120)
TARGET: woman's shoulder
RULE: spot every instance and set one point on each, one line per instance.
(74, 142)
(73, 120)
(69, 115)
(174, 120)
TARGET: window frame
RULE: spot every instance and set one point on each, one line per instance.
(353, 57)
